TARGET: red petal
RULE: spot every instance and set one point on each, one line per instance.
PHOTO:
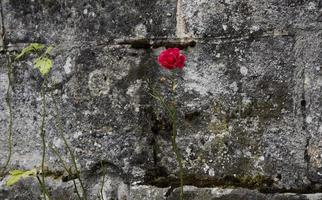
(180, 63)
(167, 60)
(173, 51)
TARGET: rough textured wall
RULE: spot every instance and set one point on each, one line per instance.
(249, 97)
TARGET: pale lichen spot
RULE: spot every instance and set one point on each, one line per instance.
(243, 71)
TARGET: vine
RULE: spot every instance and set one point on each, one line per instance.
(70, 173)
(42, 135)
(44, 64)
(72, 156)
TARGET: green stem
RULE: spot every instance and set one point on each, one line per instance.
(173, 118)
(77, 192)
(103, 181)
(70, 173)
(62, 135)
(178, 157)
(8, 101)
(43, 188)
(63, 163)
(42, 135)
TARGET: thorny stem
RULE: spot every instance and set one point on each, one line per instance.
(174, 136)
(8, 101)
(172, 114)
(62, 135)
(178, 157)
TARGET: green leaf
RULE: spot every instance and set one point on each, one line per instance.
(43, 64)
(16, 175)
(30, 48)
(16, 172)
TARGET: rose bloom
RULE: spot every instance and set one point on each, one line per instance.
(171, 59)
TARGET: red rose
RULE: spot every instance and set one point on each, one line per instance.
(171, 58)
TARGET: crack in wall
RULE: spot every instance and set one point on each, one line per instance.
(304, 123)
(182, 43)
(264, 184)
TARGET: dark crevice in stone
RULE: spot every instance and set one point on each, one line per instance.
(155, 132)
(69, 177)
(146, 43)
(256, 182)
(182, 43)
(154, 148)
(192, 116)
(260, 183)
(304, 123)
(303, 103)
(306, 155)
(157, 171)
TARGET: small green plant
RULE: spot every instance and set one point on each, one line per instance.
(44, 64)
(31, 48)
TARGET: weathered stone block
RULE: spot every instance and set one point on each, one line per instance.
(92, 21)
(249, 18)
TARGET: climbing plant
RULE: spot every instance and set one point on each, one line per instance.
(43, 63)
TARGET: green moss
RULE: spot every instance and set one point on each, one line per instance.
(218, 127)
(260, 108)
(256, 181)
(252, 182)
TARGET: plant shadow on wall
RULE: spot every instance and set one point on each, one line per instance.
(171, 59)
(43, 62)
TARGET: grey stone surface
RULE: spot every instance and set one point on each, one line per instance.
(91, 21)
(249, 98)
(236, 18)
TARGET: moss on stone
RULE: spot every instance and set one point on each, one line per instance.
(246, 181)
(218, 127)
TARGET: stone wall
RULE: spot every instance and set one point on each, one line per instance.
(249, 98)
